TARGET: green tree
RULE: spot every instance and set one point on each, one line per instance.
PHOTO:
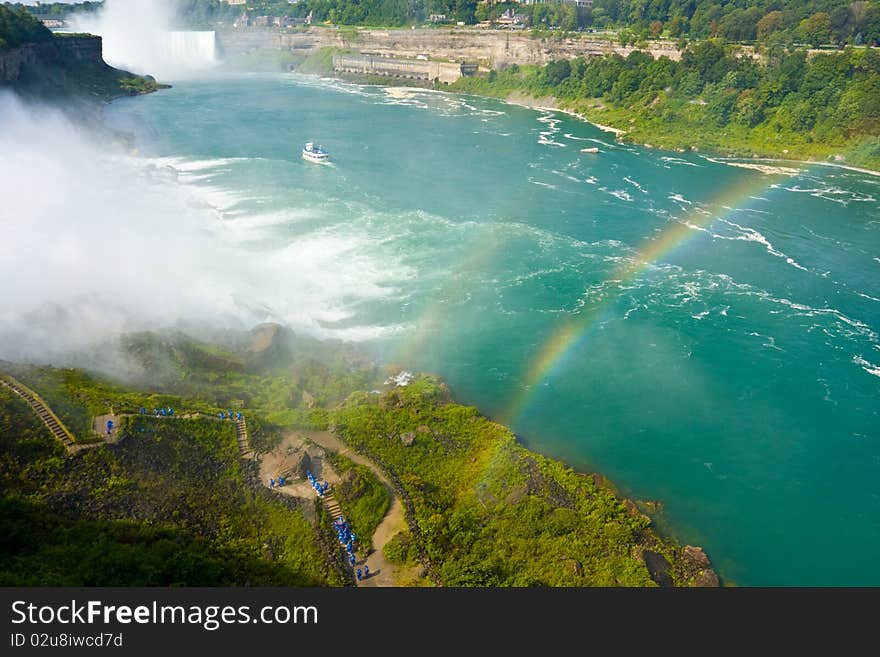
(18, 27)
(748, 110)
(769, 24)
(678, 26)
(816, 29)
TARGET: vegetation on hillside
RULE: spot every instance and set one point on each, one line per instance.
(17, 26)
(813, 22)
(715, 98)
(171, 502)
(483, 510)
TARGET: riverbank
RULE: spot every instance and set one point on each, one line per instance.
(733, 157)
(672, 141)
(678, 106)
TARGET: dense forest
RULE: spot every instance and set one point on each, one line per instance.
(715, 98)
(813, 22)
(809, 21)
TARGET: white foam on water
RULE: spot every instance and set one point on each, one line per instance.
(563, 174)
(679, 161)
(546, 139)
(862, 329)
(221, 198)
(697, 228)
(190, 165)
(835, 194)
(635, 184)
(752, 235)
(678, 198)
(246, 225)
(623, 195)
(152, 249)
(770, 343)
(870, 368)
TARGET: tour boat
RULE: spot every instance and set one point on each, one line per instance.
(314, 153)
(590, 150)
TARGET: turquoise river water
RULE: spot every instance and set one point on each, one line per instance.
(703, 334)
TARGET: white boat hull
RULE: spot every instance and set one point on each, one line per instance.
(317, 155)
(317, 159)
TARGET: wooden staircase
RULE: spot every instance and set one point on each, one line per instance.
(241, 436)
(55, 426)
(332, 505)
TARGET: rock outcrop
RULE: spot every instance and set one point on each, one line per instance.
(489, 48)
(17, 63)
(697, 569)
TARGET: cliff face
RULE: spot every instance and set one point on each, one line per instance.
(15, 64)
(495, 49)
(68, 68)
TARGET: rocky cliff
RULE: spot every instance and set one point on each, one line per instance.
(490, 48)
(17, 63)
(68, 68)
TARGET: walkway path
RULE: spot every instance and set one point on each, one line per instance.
(55, 426)
(99, 424)
(382, 571)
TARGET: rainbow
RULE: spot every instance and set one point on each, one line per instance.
(555, 350)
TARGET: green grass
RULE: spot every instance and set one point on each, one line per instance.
(320, 62)
(28, 452)
(170, 504)
(488, 512)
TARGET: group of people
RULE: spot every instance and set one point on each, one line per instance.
(157, 412)
(320, 488)
(347, 539)
(169, 412)
(279, 482)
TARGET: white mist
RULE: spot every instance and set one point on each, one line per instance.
(144, 36)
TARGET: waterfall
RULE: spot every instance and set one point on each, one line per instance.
(139, 37)
(194, 50)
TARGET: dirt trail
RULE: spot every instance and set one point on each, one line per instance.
(382, 571)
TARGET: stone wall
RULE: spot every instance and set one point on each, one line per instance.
(413, 69)
(489, 48)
